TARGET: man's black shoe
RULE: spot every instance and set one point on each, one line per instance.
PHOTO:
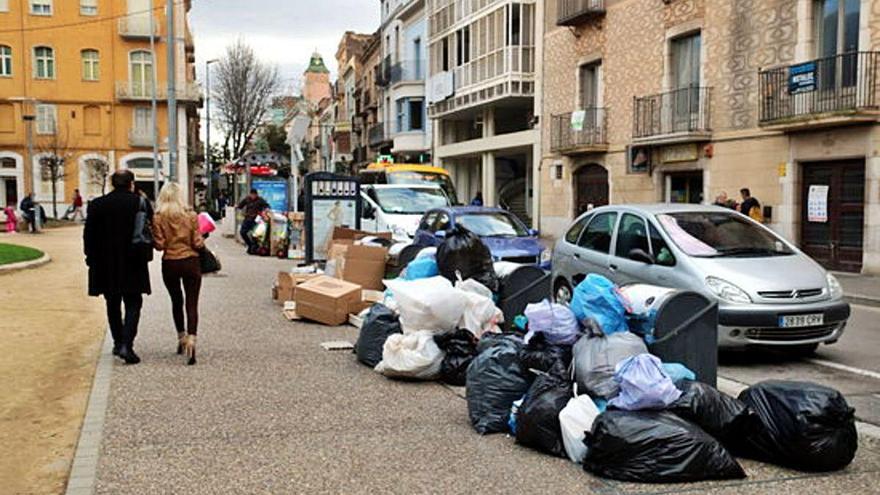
(127, 354)
(116, 349)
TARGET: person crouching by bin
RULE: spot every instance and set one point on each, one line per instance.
(252, 206)
(11, 219)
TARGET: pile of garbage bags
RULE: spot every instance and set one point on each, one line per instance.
(576, 382)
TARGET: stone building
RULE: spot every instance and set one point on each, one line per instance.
(367, 124)
(679, 100)
(350, 68)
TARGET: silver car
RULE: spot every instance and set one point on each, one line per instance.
(769, 292)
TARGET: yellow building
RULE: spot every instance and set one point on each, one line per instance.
(79, 74)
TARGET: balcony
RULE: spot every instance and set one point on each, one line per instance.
(137, 91)
(383, 73)
(820, 93)
(681, 115)
(571, 136)
(574, 12)
(138, 27)
(407, 70)
(377, 136)
(140, 138)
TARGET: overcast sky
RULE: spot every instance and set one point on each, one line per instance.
(283, 32)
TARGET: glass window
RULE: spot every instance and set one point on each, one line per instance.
(141, 73)
(46, 119)
(631, 235)
(90, 65)
(721, 234)
(416, 113)
(4, 5)
(662, 254)
(589, 81)
(686, 61)
(492, 225)
(401, 115)
(5, 60)
(88, 7)
(41, 7)
(597, 236)
(408, 200)
(574, 232)
(44, 62)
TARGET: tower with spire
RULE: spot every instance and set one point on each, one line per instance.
(317, 81)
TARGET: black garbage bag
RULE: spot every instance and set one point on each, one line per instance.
(655, 447)
(540, 355)
(379, 324)
(724, 417)
(495, 380)
(537, 420)
(463, 252)
(803, 425)
(460, 348)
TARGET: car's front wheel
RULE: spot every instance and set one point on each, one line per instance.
(562, 292)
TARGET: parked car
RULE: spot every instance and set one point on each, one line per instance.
(769, 292)
(398, 208)
(506, 236)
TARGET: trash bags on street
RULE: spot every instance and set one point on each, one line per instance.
(594, 360)
(494, 380)
(724, 417)
(679, 373)
(379, 324)
(643, 384)
(575, 420)
(803, 426)
(427, 304)
(480, 314)
(414, 356)
(538, 355)
(655, 447)
(597, 299)
(555, 321)
(537, 420)
(460, 348)
(463, 253)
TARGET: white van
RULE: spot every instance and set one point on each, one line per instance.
(397, 208)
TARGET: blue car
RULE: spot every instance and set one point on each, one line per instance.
(506, 236)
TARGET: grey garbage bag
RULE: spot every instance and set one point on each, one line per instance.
(495, 380)
(594, 359)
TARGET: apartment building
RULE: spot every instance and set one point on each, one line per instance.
(484, 97)
(350, 68)
(77, 76)
(679, 100)
(369, 131)
(401, 75)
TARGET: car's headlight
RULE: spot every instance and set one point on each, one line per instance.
(727, 291)
(546, 256)
(834, 288)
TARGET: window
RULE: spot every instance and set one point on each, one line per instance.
(41, 7)
(417, 58)
(141, 73)
(7, 163)
(686, 61)
(401, 115)
(445, 58)
(463, 42)
(5, 61)
(92, 120)
(837, 33)
(90, 65)
(88, 7)
(44, 63)
(662, 254)
(574, 232)
(597, 237)
(631, 235)
(47, 118)
(416, 113)
(4, 5)
(513, 36)
(588, 77)
(142, 120)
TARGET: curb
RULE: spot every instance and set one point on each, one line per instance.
(862, 300)
(84, 469)
(25, 265)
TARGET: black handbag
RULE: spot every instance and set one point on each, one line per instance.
(142, 237)
(209, 261)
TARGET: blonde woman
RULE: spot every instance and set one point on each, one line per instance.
(176, 233)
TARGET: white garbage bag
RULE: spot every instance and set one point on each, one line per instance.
(575, 419)
(411, 356)
(480, 315)
(430, 304)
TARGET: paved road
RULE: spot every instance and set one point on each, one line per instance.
(266, 410)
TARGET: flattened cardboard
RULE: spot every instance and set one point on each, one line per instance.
(327, 300)
(351, 235)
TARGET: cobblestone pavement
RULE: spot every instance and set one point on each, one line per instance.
(267, 410)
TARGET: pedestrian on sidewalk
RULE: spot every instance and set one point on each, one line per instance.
(176, 232)
(118, 270)
(252, 205)
(750, 206)
(76, 206)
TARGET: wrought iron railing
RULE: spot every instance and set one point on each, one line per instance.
(383, 72)
(571, 12)
(573, 130)
(684, 110)
(842, 83)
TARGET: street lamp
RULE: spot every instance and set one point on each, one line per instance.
(208, 166)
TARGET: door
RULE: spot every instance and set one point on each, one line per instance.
(685, 98)
(631, 234)
(591, 188)
(685, 188)
(833, 219)
(594, 247)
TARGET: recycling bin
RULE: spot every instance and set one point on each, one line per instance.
(519, 287)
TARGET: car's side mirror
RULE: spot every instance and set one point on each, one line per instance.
(641, 256)
(534, 232)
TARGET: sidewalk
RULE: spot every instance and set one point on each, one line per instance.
(267, 410)
(860, 289)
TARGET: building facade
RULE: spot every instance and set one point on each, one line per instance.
(712, 96)
(484, 97)
(350, 67)
(366, 121)
(77, 77)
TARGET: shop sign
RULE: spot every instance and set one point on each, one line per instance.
(817, 204)
(802, 78)
(679, 153)
(577, 120)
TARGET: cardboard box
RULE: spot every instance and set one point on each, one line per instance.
(347, 236)
(285, 285)
(327, 300)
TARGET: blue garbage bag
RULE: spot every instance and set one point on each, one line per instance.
(597, 299)
(643, 384)
(555, 321)
(421, 268)
(679, 373)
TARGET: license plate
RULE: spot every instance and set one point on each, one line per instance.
(794, 321)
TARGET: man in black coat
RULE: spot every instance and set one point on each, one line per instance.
(117, 270)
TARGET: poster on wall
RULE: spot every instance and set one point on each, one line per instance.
(817, 204)
(274, 192)
(329, 214)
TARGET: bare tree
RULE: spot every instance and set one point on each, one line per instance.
(243, 93)
(98, 171)
(55, 151)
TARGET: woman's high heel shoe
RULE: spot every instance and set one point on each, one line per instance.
(190, 349)
(181, 337)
